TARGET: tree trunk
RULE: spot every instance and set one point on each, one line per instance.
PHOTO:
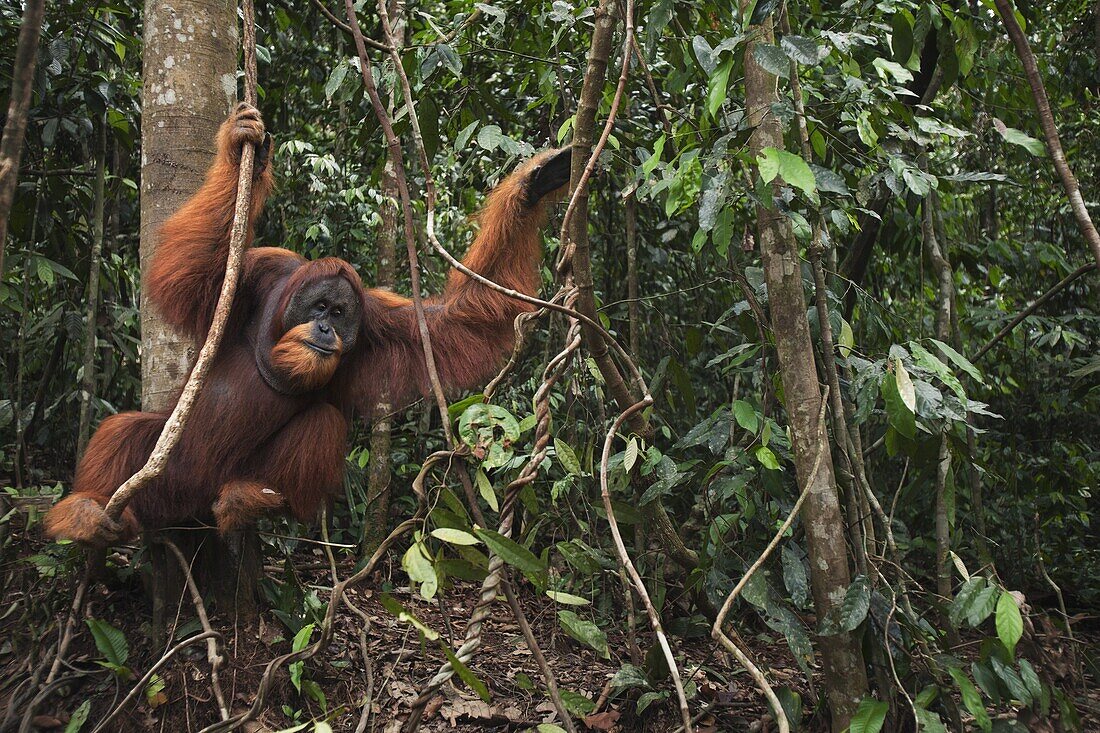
(1050, 130)
(584, 135)
(11, 145)
(87, 382)
(945, 285)
(845, 673)
(189, 74)
(379, 472)
(633, 316)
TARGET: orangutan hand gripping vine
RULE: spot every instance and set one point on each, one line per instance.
(306, 346)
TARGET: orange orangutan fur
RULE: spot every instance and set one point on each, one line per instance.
(251, 447)
(305, 367)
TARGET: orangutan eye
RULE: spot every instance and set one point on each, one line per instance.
(322, 306)
(337, 311)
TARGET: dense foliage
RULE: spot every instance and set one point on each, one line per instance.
(886, 170)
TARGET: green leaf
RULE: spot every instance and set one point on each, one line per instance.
(491, 431)
(772, 59)
(901, 36)
(790, 167)
(460, 143)
(567, 458)
(971, 698)
(577, 704)
(1017, 690)
(630, 457)
(399, 612)
(466, 675)
(930, 362)
(454, 536)
(1031, 680)
(301, 641)
(960, 607)
(335, 79)
(718, 86)
(856, 603)
(794, 578)
(767, 458)
(585, 632)
(629, 677)
(1018, 137)
(567, 598)
(892, 70)
(960, 361)
(898, 412)
(514, 554)
(983, 604)
(110, 642)
(455, 409)
(1010, 624)
(846, 340)
(418, 566)
(745, 414)
(490, 137)
(869, 717)
(485, 488)
(804, 50)
(79, 718)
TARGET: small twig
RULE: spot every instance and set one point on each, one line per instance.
(364, 648)
(212, 656)
(144, 681)
(1062, 285)
(70, 624)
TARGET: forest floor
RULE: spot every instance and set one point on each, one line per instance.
(725, 697)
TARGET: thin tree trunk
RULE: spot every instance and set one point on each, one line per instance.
(189, 75)
(584, 130)
(11, 145)
(87, 383)
(634, 320)
(379, 471)
(945, 285)
(1050, 131)
(845, 673)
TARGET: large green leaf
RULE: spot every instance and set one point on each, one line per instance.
(110, 642)
(465, 674)
(971, 698)
(79, 718)
(901, 416)
(585, 632)
(718, 86)
(567, 457)
(869, 717)
(790, 167)
(417, 564)
(1010, 624)
(1018, 137)
(514, 554)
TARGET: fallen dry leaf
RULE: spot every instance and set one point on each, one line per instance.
(606, 720)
